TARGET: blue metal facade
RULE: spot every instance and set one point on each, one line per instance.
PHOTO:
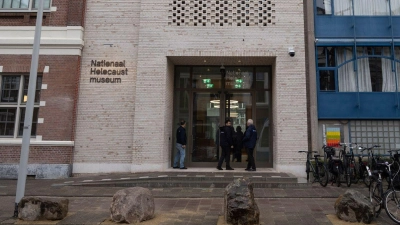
(357, 33)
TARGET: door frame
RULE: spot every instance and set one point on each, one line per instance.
(222, 91)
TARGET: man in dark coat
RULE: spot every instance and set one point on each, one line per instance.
(180, 146)
(226, 143)
(249, 142)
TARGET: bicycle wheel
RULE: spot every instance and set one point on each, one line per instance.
(375, 197)
(392, 205)
(338, 176)
(348, 176)
(356, 174)
(323, 174)
(308, 170)
(366, 178)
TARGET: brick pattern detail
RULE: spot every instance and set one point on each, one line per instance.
(221, 13)
(69, 13)
(43, 155)
(60, 97)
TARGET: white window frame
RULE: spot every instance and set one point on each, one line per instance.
(30, 8)
(18, 106)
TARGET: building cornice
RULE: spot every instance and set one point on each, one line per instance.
(18, 40)
(35, 142)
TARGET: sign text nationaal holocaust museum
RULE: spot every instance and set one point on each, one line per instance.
(103, 71)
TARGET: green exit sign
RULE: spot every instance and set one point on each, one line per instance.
(207, 81)
(209, 85)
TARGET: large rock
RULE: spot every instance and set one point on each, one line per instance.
(132, 205)
(33, 208)
(353, 206)
(239, 205)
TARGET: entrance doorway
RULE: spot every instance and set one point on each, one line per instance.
(206, 96)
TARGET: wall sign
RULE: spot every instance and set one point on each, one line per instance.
(103, 71)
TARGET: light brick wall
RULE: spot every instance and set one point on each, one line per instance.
(149, 126)
(104, 127)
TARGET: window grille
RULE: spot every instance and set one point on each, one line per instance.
(221, 13)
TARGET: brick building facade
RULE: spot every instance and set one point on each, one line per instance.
(51, 152)
(114, 105)
(129, 126)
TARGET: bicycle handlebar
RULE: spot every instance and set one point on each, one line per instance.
(386, 164)
(369, 149)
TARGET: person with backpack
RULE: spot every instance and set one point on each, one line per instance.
(238, 145)
(249, 142)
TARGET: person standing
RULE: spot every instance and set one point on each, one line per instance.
(249, 142)
(238, 145)
(180, 146)
(226, 143)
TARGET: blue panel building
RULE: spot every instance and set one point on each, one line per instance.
(357, 49)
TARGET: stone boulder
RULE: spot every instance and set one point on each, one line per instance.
(132, 205)
(239, 205)
(33, 208)
(353, 206)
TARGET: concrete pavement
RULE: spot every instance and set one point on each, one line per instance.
(300, 205)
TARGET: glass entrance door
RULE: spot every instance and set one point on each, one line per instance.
(206, 122)
(207, 95)
(209, 113)
(239, 108)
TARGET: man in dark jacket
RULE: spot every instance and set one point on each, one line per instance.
(249, 142)
(226, 143)
(180, 146)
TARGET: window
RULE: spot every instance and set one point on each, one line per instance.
(395, 6)
(375, 67)
(23, 4)
(361, 7)
(326, 57)
(343, 7)
(397, 53)
(324, 7)
(327, 80)
(371, 7)
(372, 74)
(13, 100)
(375, 73)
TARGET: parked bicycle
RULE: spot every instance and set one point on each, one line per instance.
(334, 165)
(390, 199)
(319, 171)
(361, 169)
(349, 163)
(395, 156)
(372, 161)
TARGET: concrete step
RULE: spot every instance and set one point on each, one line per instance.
(194, 180)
